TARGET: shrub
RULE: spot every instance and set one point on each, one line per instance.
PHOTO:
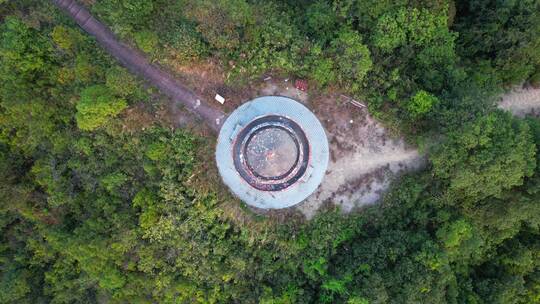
(96, 106)
(120, 81)
(220, 22)
(63, 38)
(146, 41)
(421, 103)
(187, 43)
(352, 58)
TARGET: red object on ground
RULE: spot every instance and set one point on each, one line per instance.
(301, 84)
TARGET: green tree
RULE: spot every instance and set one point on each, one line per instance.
(509, 31)
(146, 41)
(96, 106)
(408, 27)
(351, 57)
(421, 103)
(485, 157)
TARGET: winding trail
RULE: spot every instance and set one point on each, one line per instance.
(138, 64)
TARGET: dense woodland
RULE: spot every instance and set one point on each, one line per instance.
(92, 212)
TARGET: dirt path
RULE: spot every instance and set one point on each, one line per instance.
(138, 64)
(362, 177)
(522, 101)
(364, 158)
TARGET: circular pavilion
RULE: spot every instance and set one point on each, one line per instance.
(272, 152)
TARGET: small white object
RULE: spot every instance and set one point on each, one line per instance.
(351, 121)
(286, 79)
(220, 99)
(267, 78)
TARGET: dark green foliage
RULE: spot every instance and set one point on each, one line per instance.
(486, 157)
(510, 40)
(320, 21)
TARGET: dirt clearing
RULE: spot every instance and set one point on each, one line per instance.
(522, 101)
(364, 158)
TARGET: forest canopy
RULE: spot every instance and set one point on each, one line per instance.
(95, 211)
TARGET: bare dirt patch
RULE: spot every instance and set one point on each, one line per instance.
(207, 79)
(364, 157)
(522, 101)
